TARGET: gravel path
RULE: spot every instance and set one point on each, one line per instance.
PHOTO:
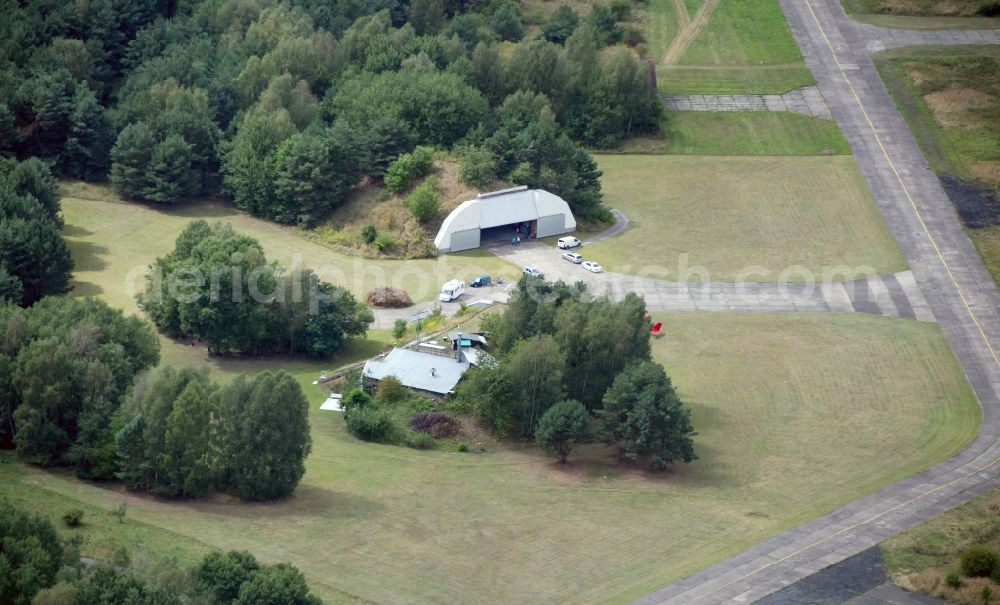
(950, 274)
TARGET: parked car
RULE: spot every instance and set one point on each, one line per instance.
(568, 242)
(481, 281)
(593, 267)
(532, 271)
(452, 290)
(572, 257)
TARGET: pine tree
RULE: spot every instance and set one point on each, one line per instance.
(187, 449)
(130, 158)
(169, 176)
(87, 153)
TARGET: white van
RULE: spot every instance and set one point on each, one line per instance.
(452, 290)
(568, 242)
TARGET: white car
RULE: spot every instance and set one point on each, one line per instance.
(593, 267)
(572, 257)
(532, 272)
(568, 242)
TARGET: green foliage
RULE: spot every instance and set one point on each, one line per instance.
(169, 176)
(391, 390)
(506, 22)
(280, 584)
(562, 427)
(221, 575)
(399, 328)
(130, 157)
(369, 233)
(979, 561)
(383, 242)
(644, 415)
(263, 309)
(371, 423)
(30, 554)
(462, 447)
(387, 138)
(605, 26)
(952, 580)
(420, 441)
(73, 517)
(185, 435)
(439, 108)
(425, 200)
(70, 364)
(407, 167)
(478, 166)
(561, 25)
(314, 171)
(535, 372)
(426, 16)
(87, 152)
(356, 399)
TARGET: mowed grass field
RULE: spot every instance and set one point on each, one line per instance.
(796, 415)
(751, 133)
(729, 214)
(113, 241)
(950, 97)
(729, 46)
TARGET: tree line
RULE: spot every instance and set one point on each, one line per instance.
(218, 286)
(36, 566)
(284, 107)
(74, 392)
(571, 368)
(34, 258)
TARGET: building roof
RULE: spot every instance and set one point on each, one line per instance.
(413, 369)
(505, 207)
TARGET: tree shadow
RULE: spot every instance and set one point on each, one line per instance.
(88, 256)
(86, 288)
(75, 231)
(201, 208)
(305, 500)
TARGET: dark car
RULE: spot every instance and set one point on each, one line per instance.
(479, 282)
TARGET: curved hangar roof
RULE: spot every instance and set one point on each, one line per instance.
(461, 229)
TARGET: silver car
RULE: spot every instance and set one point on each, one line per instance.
(572, 257)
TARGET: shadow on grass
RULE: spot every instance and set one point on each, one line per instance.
(75, 231)
(306, 499)
(88, 256)
(84, 288)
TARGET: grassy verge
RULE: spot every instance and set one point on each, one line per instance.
(727, 214)
(745, 33)
(679, 80)
(950, 97)
(660, 26)
(919, 558)
(751, 133)
(796, 414)
(923, 14)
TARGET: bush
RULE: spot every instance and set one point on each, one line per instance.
(369, 233)
(356, 399)
(436, 424)
(372, 424)
(408, 166)
(383, 242)
(391, 390)
(478, 166)
(621, 9)
(421, 441)
(463, 447)
(388, 298)
(73, 517)
(952, 580)
(979, 561)
(425, 201)
(399, 329)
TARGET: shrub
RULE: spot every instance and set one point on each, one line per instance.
(355, 399)
(463, 447)
(369, 233)
(425, 201)
(399, 328)
(436, 424)
(408, 166)
(391, 390)
(383, 242)
(388, 298)
(621, 9)
(979, 561)
(478, 166)
(421, 441)
(372, 424)
(952, 580)
(73, 517)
